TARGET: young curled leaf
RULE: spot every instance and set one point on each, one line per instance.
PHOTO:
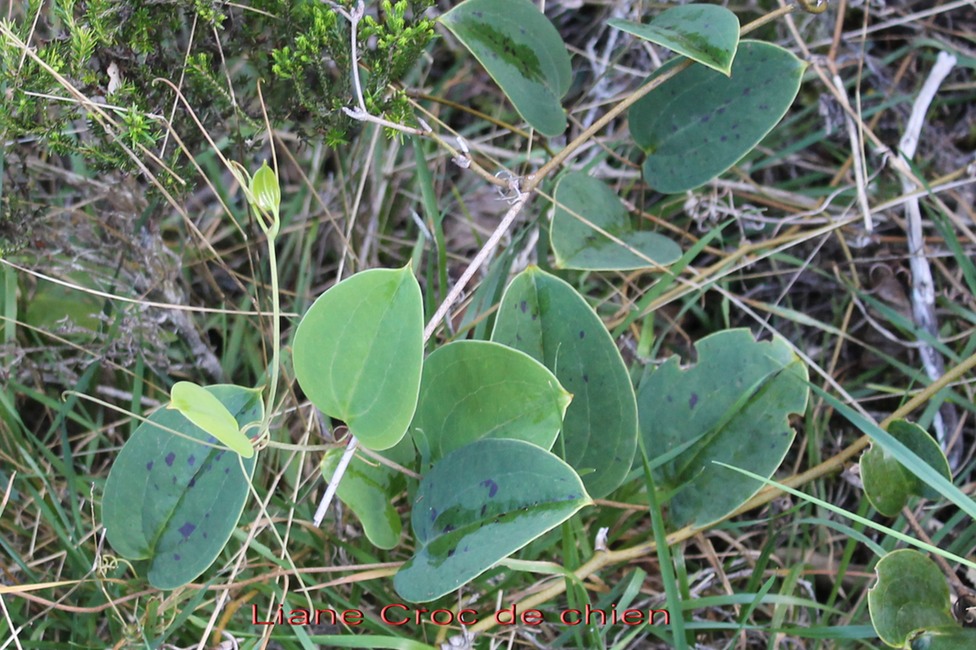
(202, 408)
(265, 190)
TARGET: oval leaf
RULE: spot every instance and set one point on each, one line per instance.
(591, 230)
(522, 52)
(888, 483)
(911, 594)
(547, 319)
(367, 488)
(358, 354)
(202, 408)
(699, 123)
(479, 504)
(732, 406)
(707, 34)
(175, 499)
(477, 389)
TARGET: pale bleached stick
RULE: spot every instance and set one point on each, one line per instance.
(923, 287)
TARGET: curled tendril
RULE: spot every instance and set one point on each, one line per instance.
(813, 6)
(107, 564)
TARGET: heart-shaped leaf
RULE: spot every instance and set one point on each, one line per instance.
(477, 389)
(699, 123)
(202, 408)
(888, 483)
(367, 487)
(479, 504)
(707, 34)
(911, 594)
(591, 230)
(732, 406)
(547, 319)
(358, 354)
(522, 52)
(174, 496)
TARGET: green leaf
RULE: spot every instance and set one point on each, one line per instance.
(699, 123)
(367, 488)
(925, 473)
(479, 504)
(911, 594)
(359, 351)
(547, 319)
(946, 638)
(587, 211)
(888, 483)
(708, 34)
(522, 52)
(477, 389)
(175, 499)
(732, 406)
(202, 408)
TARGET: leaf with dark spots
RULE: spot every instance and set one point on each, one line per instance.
(707, 34)
(669, 123)
(178, 515)
(518, 55)
(741, 393)
(492, 487)
(600, 425)
(527, 502)
(522, 52)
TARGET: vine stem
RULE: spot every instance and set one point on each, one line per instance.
(276, 332)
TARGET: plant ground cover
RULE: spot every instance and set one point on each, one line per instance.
(133, 259)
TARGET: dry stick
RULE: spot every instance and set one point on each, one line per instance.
(857, 153)
(895, 161)
(923, 287)
(179, 84)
